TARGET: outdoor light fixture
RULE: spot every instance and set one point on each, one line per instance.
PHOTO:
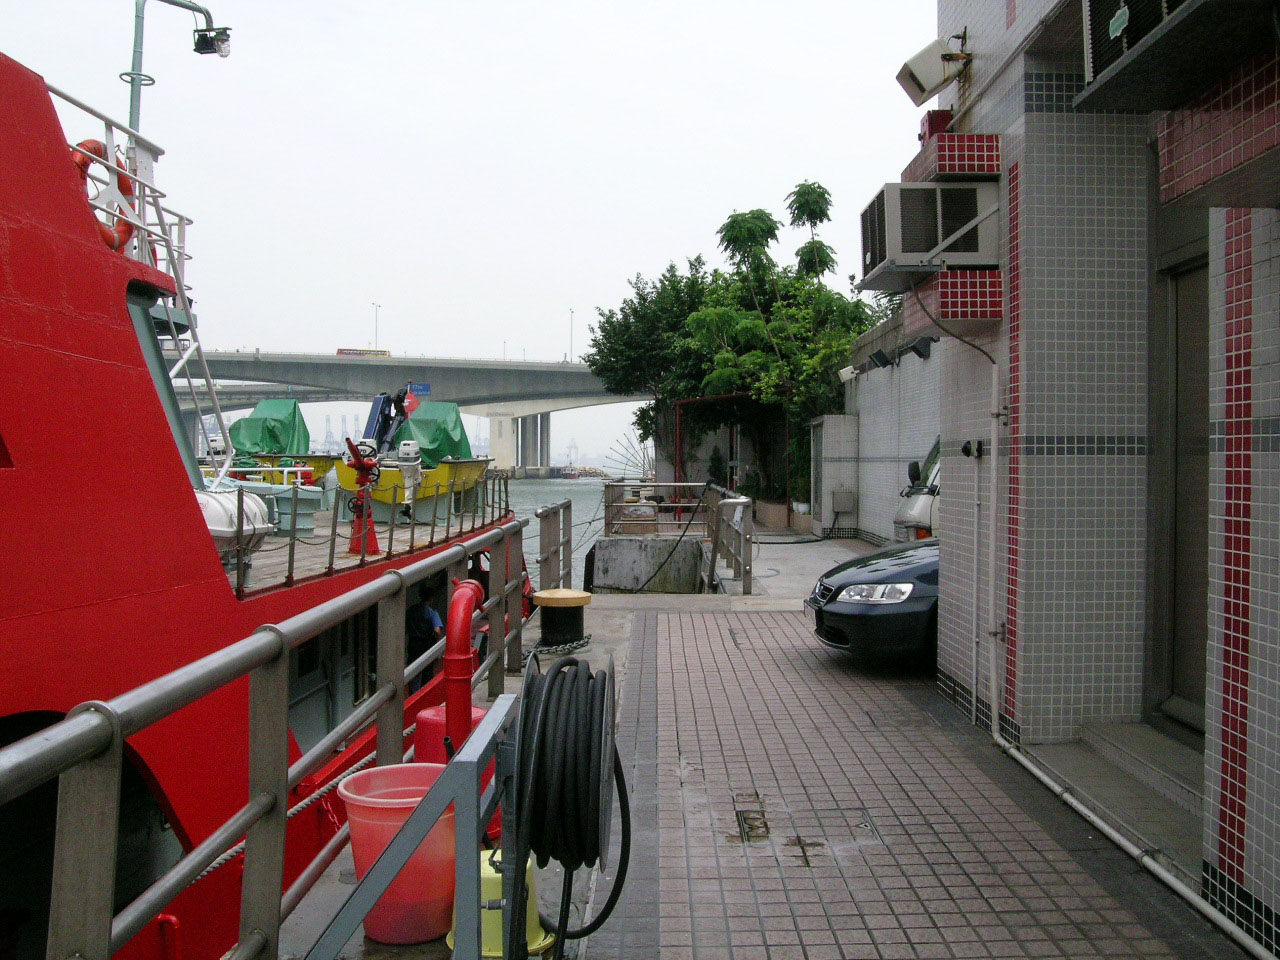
(214, 40)
(208, 39)
(934, 68)
(922, 347)
(880, 358)
(846, 374)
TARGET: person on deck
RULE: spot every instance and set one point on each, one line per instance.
(423, 629)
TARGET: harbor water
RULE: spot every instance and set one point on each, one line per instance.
(588, 515)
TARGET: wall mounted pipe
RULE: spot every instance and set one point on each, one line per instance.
(467, 596)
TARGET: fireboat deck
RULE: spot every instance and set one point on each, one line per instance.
(312, 554)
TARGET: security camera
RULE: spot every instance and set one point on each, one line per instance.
(932, 70)
(846, 374)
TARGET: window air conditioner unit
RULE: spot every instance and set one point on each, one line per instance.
(913, 230)
(1144, 55)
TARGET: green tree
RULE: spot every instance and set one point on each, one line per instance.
(772, 338)
(809, 205)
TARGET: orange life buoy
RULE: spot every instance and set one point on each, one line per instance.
(82, 156)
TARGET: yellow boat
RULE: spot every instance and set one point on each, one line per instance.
(461, 478)
(275, 472)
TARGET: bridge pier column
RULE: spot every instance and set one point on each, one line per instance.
(544, 439)
(529, 441)
(503, 446)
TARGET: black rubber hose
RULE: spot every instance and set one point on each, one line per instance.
(559, 803)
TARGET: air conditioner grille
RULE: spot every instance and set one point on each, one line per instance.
(919, 220)
(874, 246)
(958, 208)
(1143, 17)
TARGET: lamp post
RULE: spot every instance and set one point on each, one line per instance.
(376, 308)
(209, 39)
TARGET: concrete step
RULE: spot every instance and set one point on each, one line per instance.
(1172, 769)
(1146, 817)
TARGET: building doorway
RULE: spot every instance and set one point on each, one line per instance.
(1188, 527)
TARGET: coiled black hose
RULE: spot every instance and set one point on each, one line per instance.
(563, 779)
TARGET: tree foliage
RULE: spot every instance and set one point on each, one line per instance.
(772, 338)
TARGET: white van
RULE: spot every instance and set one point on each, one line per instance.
(917, 516)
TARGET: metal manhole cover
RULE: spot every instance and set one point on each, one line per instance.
(752, 826)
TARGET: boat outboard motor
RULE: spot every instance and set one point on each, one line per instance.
(379, 417)
(396, 414)
(409, 461)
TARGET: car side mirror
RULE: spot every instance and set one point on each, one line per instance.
(913, 471)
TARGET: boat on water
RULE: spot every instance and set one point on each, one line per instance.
(273, 445)
(93, 295)
(439, 477)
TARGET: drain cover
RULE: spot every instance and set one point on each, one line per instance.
(752, 826)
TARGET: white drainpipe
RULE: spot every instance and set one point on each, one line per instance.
(1063, 793)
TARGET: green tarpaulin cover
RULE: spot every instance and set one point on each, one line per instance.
(437, 426)
(275, 427)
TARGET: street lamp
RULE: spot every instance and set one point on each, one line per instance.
(208, 39)
(376, 308)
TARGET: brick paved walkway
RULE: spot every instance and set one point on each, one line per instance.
(893, 829)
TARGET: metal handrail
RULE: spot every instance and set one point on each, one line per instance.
(85, 749)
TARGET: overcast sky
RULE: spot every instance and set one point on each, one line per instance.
(481, 169)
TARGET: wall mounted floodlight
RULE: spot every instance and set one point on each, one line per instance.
(846, 374)
(934, 69)
(922, 347)
(214, 40)
(880, 358)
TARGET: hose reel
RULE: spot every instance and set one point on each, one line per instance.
(567, 765)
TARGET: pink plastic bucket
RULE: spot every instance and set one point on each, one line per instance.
(418, 906)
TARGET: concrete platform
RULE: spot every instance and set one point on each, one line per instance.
(790, 804)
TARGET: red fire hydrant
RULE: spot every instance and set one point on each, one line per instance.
(362, 531)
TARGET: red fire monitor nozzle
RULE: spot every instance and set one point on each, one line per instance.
(468, 596)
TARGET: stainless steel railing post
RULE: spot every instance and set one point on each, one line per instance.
(548, 551)
(565, 541)
(390, 671)
(499, 554)
(240, 577)
(333, 534)
(515, 602)
(293, 538)
(435, 512)
(84, 851)
(413, 515)
(448, 517)
(395, 508)
(269, 776)
(366, 511)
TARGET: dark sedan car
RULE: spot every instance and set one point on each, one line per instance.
(883, 604)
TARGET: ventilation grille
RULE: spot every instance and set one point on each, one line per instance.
(1143, 16)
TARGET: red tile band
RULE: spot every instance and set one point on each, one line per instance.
(1235, 122)
(1237, 552)
(955, 155)
(1015, 440)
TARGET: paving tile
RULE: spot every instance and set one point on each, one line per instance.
(894, 829)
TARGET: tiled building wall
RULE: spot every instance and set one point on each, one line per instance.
(1242, 702)
(1083, 412)
(835, 468)
(1077, 593)
(963, 537)
(897, 415)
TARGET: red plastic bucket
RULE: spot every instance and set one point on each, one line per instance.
(418, 906)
